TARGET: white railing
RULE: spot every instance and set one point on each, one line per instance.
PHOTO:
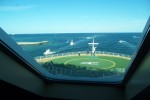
(102, 53)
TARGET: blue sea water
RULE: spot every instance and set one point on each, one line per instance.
(60, 42)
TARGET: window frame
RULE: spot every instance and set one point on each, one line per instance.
(143, 49)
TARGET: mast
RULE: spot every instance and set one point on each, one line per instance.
(93, 45)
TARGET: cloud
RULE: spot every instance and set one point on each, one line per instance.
(15, 8)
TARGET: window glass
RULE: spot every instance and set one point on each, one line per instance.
(89, 40)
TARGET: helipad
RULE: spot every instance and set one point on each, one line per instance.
(93, 63)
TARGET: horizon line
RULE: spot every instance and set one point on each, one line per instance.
(73, 33)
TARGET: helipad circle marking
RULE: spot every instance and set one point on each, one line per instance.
(113, 63)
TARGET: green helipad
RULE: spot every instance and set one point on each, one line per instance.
(93, 62)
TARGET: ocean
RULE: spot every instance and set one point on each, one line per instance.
(124, 43)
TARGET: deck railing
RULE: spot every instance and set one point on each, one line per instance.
(102, 53)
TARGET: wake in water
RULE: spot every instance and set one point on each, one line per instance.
(60, 43)
(127, 44)
(70, 47)
(136, 37)
(76, 45)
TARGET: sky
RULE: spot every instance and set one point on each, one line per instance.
(73, 16)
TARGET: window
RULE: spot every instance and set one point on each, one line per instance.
(75, 40)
